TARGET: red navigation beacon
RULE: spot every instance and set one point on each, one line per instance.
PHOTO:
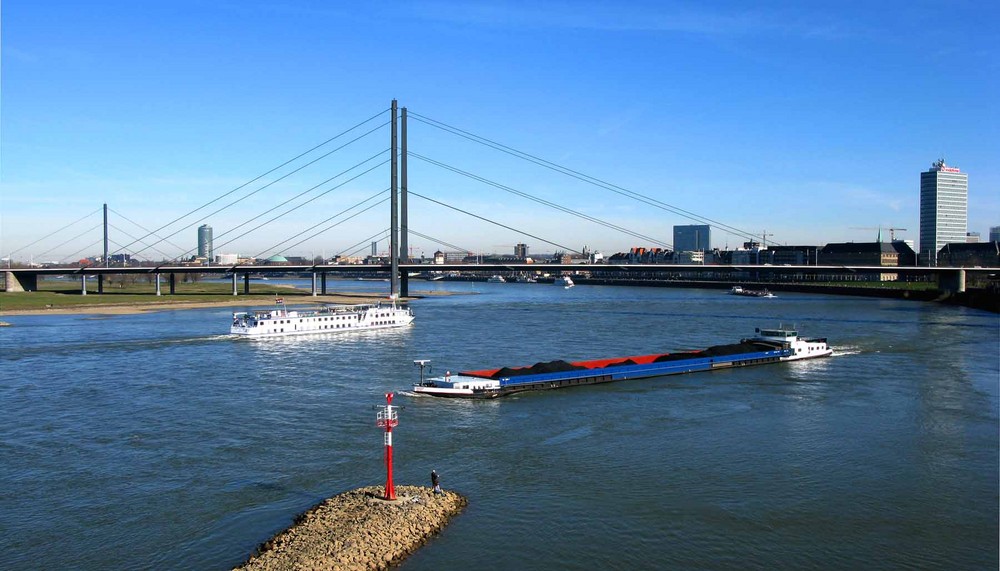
(386, 418)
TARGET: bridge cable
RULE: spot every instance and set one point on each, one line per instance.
(164, 254)
(272, 248)
(87, 247)
(308, 190)
(53, 233)
(91, 229)
(363, 244)
(144, 229)
(543, 201)
(310, 163)
(577, 175)
(381, 202)
(466, 212)
(331, 189)
(443, 243)
(255, 179)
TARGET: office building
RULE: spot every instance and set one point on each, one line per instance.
(521, 251)
(944, 209)
(994, 233)
(794, 255)
(205, 242)
(982, 254)
(692, 238)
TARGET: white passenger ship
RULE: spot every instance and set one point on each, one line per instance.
(280, 321)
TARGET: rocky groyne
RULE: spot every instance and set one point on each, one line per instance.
(358, 530)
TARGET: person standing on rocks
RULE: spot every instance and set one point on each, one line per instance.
(436, 482)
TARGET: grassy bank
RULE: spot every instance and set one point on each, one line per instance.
(61, 294)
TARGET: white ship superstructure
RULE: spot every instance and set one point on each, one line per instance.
(281, 321)
(788, 338)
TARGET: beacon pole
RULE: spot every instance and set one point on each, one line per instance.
(387, 418)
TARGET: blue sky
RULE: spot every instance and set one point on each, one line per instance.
(809, 121)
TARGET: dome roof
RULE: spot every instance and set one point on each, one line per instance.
(277, 258)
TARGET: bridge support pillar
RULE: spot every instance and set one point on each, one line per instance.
(158, 293)
(83, 284)
(25, 282)
(234, 283)
(246, 283)
(322, 283)
(173, 284)
(404, 284)
(952, 281)
(100, 284)
(314, 284)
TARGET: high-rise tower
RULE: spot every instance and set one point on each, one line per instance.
(944, 209)
(205, 242)
(692, 238)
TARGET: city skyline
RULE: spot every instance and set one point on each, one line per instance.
(806, 123)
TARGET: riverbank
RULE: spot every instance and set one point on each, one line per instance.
(111, 306)
(976, 298)
(358, 530)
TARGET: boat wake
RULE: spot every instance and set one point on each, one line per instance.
(848, 350)
(576, 433)
(118, 345)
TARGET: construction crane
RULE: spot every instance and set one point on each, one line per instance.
(892, 230)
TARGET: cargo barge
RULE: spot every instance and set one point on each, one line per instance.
(767, 346)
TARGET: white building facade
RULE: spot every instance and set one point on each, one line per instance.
(944, 209)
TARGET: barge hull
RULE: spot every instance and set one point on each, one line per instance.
(549, 381)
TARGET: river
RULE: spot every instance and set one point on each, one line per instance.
(156, 441)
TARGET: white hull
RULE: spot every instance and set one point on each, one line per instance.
(442, 391)
(564, 281)
(802, 348)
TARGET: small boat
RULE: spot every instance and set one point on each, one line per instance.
(280, 321)
(496, 280)
(739, 290)
(526, 280)
(766, 346)
(564, 281)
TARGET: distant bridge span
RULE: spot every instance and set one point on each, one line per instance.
(26, 279)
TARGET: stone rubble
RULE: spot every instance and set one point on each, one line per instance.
(358, 530)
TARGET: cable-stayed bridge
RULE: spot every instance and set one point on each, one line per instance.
(159, 254)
